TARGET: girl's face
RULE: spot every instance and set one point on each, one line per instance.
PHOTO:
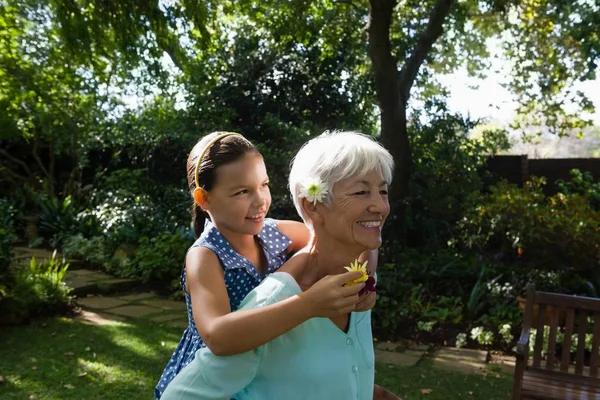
(240, 198)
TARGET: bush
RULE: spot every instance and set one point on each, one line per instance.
(92, 250)
(7, 235)
(533, 235)
(122, 218)
(443, 290)
(156, 259)
(161, 258)
(103, 252)
(447, 165)
(140, 208)
(522, 225)
(498, 305)
(57, 218)
(582, 183)
(423, 286)
(37, 290)
(125, 224)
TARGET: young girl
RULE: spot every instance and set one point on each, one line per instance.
(237, 249)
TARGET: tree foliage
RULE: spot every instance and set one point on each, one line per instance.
(50, 106)
(130, 32)
(273, 70)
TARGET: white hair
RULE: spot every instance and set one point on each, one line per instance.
(334, 156)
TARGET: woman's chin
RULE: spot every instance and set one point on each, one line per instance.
(370, 244)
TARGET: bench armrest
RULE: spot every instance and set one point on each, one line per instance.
(523, 344)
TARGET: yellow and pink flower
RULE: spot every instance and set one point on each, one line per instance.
(369, 280)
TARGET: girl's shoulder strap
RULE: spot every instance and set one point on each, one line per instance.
(269, 223)
(210, 238)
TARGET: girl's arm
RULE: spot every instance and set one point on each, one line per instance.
(296, 231)
(220, 328)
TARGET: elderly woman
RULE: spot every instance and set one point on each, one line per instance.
(339, 184)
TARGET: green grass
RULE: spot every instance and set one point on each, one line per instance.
(407, 383)
(73, 360)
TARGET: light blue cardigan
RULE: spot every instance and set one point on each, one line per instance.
(316, 360)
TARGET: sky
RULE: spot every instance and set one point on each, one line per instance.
(486, 98)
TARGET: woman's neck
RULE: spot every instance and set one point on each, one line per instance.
(328, 257)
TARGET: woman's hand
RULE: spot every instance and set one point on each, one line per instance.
(329, 297)
(380, 393)
(366, 302)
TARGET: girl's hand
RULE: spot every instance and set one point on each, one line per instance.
(330, 298)
(366, 302)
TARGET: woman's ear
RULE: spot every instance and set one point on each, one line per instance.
(313, 211)
(201, 198)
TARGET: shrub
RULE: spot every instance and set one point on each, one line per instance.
(140, 208)
(7, 235)
(500, 305)
(161, 258)
(461, 340)
(39, 289)
(447, 165)
(582, 183)
(505, 330)
(57, 218)
(103, 252)
(522, 226)
(93, 250)
(482, 336)
(450, 290)
(423, 285)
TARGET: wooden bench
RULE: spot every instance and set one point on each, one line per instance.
(557, 378)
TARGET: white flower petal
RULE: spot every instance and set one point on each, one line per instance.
(314, 190)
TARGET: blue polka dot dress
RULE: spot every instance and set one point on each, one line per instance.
(240, 278)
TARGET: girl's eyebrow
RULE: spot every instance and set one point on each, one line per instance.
(244, 186)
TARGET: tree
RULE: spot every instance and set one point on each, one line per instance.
(49, 108)
(393, 87)
(245, 52)
(531, 24)
(64, 66)
(130, 32)
(408, 43)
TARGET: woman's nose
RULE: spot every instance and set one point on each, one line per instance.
(379, 204)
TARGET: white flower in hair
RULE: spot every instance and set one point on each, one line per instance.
(314, 190)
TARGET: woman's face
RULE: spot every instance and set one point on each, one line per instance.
(359, 207)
